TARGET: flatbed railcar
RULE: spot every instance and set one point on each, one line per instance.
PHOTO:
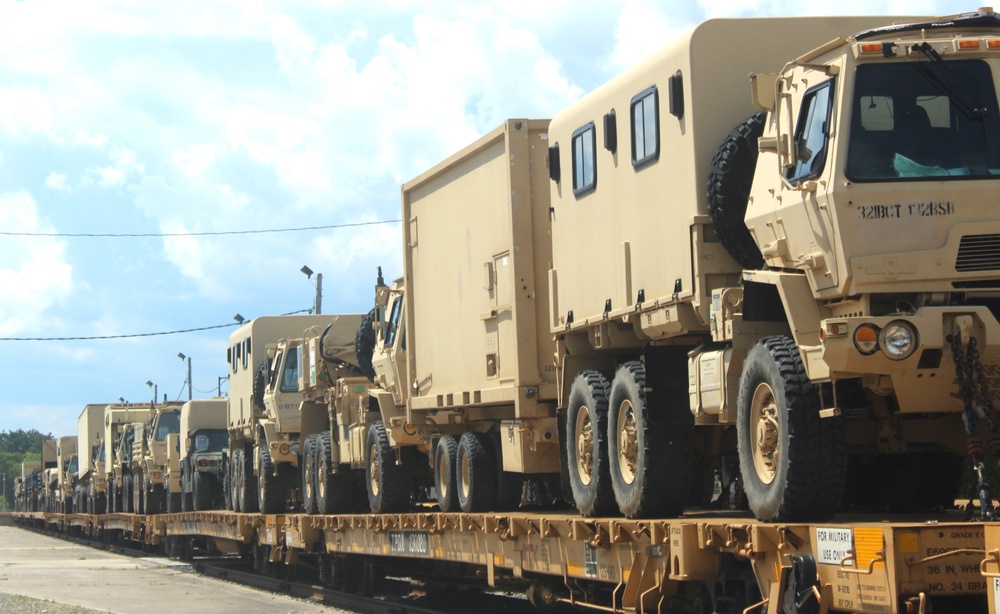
(701, 562)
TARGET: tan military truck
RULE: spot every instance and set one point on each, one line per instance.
(120, 424)
(31, 484)
(819, 285)
(317, 395)
(149, 458)
(250, 431)
(67, 468)
(200, 470)
(463, 362)
(19, 497)
(89, 492)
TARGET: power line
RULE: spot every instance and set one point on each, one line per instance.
(136, 335)
(189, 234)
(132, 336)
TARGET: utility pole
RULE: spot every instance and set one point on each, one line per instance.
(319, 293)
(188, 358)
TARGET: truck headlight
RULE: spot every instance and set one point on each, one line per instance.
(898, 340)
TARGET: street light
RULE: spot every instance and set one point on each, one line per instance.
(239, 319)
(318, 305)
(188, 382)
(219, 384)
(121, 400)
(156, 391)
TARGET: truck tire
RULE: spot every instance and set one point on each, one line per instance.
(650, 464)
(127, 500)
(173, 500)
(364, 345)
(233, 477)
(203, 491)
(388, 484)
(729, 183)
(445, 485)
(259, 386)
(334, 491)
(587, 445)
(477, 473)
(270, 499)
(247, 486)
(792, 461)
(307, 477)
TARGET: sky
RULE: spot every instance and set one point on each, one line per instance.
(171, 120)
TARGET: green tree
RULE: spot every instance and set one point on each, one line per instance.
(17, 447)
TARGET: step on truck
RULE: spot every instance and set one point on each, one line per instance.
(463, 361)
(788, 291)
(259, 437)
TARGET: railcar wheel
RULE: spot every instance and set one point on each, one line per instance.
(477, 473)
(334, 491)
(587, 445)
(792, 461)
(388, 487)
(445, 486)
(650, 464)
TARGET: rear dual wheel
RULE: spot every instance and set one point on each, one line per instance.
(650, 464)
(388, 483)
(587, 445)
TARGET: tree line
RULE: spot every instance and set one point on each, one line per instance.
(17, 447)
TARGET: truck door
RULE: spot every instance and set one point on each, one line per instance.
(389, 360)
(499, 322)
(809, 123)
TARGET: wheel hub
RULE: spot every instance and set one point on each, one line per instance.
(584, 446)
(374, 470)
(628, 441)
(766, 428)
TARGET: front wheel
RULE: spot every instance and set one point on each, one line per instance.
(792, 461)
(388, 488)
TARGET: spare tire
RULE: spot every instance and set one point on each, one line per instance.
(364, 345)
(259, 384)
(729, 185)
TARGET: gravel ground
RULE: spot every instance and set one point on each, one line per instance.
(16, 604)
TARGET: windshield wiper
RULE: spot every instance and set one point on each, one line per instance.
(970, 111)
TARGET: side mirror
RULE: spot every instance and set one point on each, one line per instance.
(762, 90)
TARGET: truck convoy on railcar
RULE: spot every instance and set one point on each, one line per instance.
(688, 299)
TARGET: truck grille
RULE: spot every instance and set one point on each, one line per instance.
(978, 253)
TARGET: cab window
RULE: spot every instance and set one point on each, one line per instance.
(290, 374)
(812, 133)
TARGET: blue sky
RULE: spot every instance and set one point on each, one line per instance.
(197, 117)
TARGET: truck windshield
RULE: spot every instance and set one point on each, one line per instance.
(167, 424)
(924, 120)
(210, 440)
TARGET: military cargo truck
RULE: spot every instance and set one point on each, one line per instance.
(67, 469)
(820, 284)
(318, 391)
(203, 443)
(89, 492)
(120, 424)
(464, 367)
(149, 457)
(250, 431)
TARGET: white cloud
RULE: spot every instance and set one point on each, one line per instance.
(34, 272)
(124, 166)
(57, 182)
